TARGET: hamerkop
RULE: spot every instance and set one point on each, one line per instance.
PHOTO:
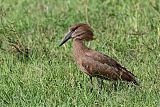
(95, 64)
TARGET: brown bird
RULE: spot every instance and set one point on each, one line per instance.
(95, 64)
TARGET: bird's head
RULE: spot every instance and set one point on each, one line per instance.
(79, 31)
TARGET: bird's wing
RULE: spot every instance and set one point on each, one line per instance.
(96, 68)
(104, 65)
(104, 59)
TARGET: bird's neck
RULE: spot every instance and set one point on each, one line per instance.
(79, 48)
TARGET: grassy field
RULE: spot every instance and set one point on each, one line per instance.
(35, 71)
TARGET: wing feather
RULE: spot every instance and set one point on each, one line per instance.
(102, 65)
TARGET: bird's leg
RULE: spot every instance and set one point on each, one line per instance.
(115, 84)
(100, 83)
(91, 85)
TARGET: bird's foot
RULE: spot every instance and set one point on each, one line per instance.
(91, 84)
(91, 88)
(100, 83)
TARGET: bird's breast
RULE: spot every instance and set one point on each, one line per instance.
(86, 69)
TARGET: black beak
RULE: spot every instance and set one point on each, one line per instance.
(66, 38)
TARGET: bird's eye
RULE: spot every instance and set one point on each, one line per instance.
(73, 29)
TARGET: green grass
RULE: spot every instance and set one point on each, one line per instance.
(35, 71)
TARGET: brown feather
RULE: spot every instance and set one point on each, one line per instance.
(107, 67)
(96, 64)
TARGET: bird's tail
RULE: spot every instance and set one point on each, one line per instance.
(136, 82)
(132, 77)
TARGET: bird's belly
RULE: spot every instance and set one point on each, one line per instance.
(85, 71)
